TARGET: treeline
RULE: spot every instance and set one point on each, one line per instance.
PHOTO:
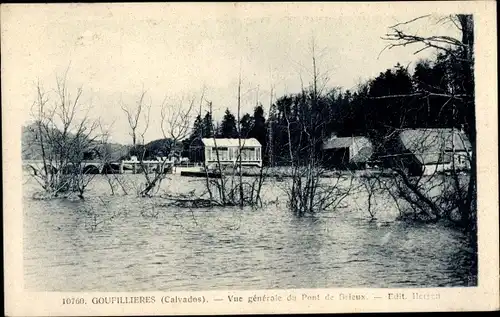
(250, 126)
(437, 94)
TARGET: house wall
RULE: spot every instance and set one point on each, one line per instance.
(357, 145)
(431, 169)
(229, 155)
(353, 150)
(462, 160)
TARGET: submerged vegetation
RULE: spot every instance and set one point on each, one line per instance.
(438, 93)
(295, 181)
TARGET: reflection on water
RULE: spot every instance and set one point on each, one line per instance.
(124, 243)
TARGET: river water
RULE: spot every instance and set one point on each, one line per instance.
(124, 243)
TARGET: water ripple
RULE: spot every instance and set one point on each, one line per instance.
(229, 248)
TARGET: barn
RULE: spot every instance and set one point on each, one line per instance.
(429, 151)
(347, 152)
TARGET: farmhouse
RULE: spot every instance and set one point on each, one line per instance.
(347, 152)
(429, 151)
(226, 151)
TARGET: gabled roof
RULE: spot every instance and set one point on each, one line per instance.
(345, 142)
(363, 155)
(252, 142)
(431, 146)
(363, 144)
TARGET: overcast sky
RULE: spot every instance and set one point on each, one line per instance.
(174, 51)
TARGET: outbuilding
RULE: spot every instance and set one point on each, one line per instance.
(429, 151)
(347, 152)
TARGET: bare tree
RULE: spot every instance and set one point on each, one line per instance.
(39, 111)
(175, 126)
(137, 116)
(239, 143)
(436, 189)
(134, 117)
(461, 52)
(464, 23)
(229, 185)
(246, 190)
(95, 218)
(176, 123)
(309, 192)
(64, 133)
(268, 149)
(371, 184)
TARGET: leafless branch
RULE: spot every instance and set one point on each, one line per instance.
(410, 21)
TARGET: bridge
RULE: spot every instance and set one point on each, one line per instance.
(99, 167)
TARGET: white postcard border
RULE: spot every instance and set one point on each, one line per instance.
(484, 297)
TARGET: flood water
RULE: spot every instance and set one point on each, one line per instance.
(125, 243)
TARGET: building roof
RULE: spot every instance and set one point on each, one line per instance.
(364, 154)
(363, 145)
(252, 142)
(338, 143)
(431, 146)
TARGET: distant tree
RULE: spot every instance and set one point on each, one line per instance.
(160, 148)
(246, 123)
(197, 130)
(389, 113)
(190, 146)
(228, 127)
(455, 62)
(139, 151)
(259, 129)
(208, 126)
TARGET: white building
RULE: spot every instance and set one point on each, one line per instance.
(226, 151)
(430, 151)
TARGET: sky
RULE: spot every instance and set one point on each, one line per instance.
(175, 52)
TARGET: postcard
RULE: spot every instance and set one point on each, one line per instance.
(235, 158)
